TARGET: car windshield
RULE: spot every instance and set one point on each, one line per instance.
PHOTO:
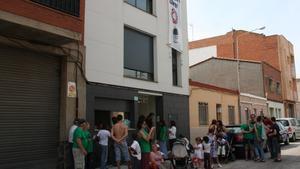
(284, 122)
(280, 125)
(234, 129)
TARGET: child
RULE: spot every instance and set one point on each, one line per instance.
(206, 149)
(213, 149)
(135, 151)
(198, 154)
(221, 142)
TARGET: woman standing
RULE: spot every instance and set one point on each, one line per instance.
(144, 140)
(172, 134)
(162, 138)
(259, 139)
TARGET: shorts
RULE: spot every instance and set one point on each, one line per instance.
(121, 149)
(249, 142)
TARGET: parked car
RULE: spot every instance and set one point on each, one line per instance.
(284, 134)
(235, 132)
(237, 144)
(291, 124)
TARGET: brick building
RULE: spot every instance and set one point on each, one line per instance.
(221, 72)
(275, 50)
(41, 50)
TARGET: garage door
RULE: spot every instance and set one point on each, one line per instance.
(29, 109)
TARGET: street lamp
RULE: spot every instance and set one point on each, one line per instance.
(236, 47)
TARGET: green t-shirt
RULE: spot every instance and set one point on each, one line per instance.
(89, 147)
(259, 129)
(163, 133)
(247, 127)
(79, 133)
(145, 145)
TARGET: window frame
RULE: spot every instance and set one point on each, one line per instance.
(203, 106)
(231, 115)
(150, 10)
(139, 73)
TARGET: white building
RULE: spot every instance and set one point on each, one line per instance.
(129, 62)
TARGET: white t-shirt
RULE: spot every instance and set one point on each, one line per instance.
(172, 132)
(71, 133)
(103, 137)
(206, 147)
(135, 145)
(199, 151)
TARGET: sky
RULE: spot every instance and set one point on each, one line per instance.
(207, 18)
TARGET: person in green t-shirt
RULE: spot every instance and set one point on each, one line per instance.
(89, 147)
(144, 141)
(249, 135)
(79, 145)
(163, 137)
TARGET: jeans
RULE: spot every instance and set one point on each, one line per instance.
(276, 147)
(258, 148)
(163, 148)
(270, 146)
(103, 156)
(207, 163)
(79, 161)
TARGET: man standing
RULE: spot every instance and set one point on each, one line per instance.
(275, 135)
(70, 140)
(119, 132)
(249, 135)
(103, 135)
(79, 145)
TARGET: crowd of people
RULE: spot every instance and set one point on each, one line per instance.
(148, 149)
(259, 133)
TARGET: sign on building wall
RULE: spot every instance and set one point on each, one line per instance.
(175, 27)
(71, 89)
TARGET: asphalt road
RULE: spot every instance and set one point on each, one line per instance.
(290, 160)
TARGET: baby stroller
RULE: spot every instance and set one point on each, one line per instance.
(181, 151)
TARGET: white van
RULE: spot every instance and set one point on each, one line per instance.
(293, 127)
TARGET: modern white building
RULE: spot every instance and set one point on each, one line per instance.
(133, 65)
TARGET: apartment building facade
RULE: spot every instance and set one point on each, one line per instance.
(274, 49)
(208, 102)
(132, 65)
(41, 52)
(222, 72)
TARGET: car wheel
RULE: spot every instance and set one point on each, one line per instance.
(287, 141)
(294, 137)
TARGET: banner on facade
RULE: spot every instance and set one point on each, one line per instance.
(175, 28)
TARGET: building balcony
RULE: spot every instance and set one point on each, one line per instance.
(71, 7)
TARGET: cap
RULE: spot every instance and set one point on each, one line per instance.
(81, 121)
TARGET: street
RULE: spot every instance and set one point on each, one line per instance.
(290, 160)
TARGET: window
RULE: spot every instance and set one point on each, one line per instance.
(175, 67)
(231, 115)
(255, 111)
(138, 55)
(203, 113)
(278, 89)
(270, 85)
(145, 5)
(219, 111)
(247, 113)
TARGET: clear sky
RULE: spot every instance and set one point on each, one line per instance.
(208, 18)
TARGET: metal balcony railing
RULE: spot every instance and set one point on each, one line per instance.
(71, 7)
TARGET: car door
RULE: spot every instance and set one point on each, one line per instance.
(297, 129)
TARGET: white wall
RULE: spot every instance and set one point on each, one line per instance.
(276, 106)
(200, 54)
(104, 36)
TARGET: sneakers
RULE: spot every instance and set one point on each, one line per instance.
(220, 166)
(277, 160)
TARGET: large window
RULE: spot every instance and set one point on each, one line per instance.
(138, 55)
(175, 67)
(203, 113)
(145, 5)
(231, 115)
(219, 111)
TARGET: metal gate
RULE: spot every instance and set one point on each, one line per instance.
(29, 109)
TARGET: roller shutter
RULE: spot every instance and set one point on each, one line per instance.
(29, 109)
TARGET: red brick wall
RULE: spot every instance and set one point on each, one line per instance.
(270, 72)
(44, 14)
(252, 46)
